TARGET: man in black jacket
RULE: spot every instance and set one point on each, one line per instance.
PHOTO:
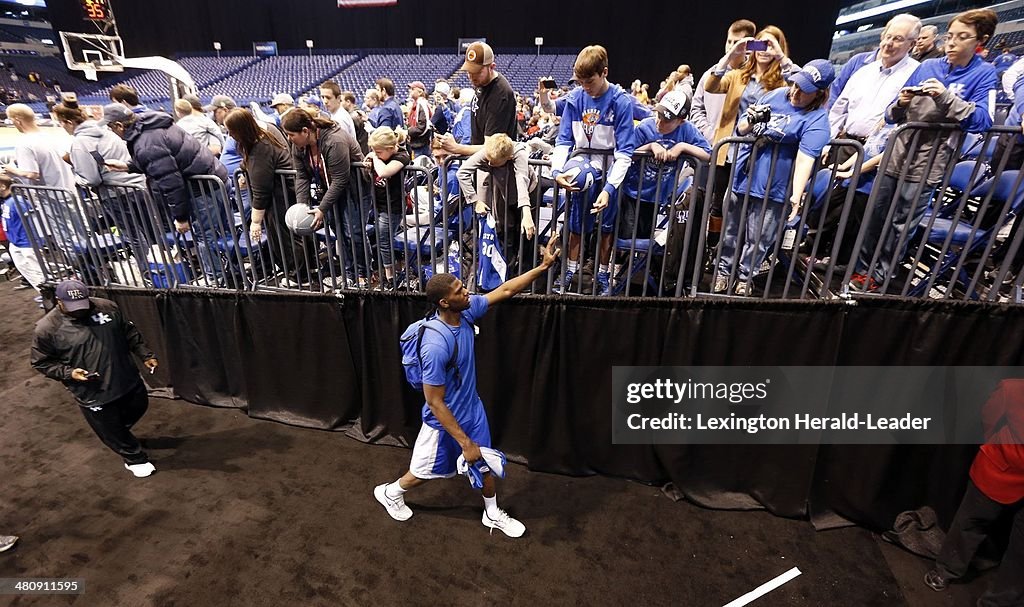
(169, 156)
(86, 344)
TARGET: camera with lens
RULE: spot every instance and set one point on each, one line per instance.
(759, 114)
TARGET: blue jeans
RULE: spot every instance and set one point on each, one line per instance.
(905, 218)
(354, 215)
(758, 236)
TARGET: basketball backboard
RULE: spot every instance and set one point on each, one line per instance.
(92, 53)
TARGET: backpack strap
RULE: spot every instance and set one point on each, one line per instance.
(453, 362)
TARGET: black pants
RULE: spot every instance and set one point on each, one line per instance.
(113, 424)
(974, 518)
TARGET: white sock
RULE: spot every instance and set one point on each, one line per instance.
(491, 506)
(393, 490)
(572, 265)
(603, 268)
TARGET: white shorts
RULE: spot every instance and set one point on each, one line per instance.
(430, 454)
(435, 453)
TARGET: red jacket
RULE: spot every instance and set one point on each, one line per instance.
(998, 469)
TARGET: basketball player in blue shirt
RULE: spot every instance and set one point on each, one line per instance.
(454, 420)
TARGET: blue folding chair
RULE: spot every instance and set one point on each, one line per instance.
(646, 250)
(971, 236)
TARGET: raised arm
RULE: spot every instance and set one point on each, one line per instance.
(510, 288)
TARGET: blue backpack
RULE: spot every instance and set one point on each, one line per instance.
(411, 344)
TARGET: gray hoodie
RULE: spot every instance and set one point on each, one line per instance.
(93, 145)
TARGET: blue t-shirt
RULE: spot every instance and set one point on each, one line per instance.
(792, 130)
(436, 351)
(976, 82)
(647, 132)
(13, 225)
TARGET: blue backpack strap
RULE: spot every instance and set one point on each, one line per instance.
(453, 362)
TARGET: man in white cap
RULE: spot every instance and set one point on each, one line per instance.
(87, 344)
(282, 102)
(494, 109)
(444, 108)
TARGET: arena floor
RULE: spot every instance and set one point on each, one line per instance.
(246, 512)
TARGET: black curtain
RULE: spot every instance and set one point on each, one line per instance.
(644, 41)
(544, 372)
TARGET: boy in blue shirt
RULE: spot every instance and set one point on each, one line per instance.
(667, 135)
(598, 115)
(19, 245)
(454, 420)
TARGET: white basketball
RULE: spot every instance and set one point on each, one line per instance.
(299, 219)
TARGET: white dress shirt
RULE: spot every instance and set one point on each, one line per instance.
(861, 105)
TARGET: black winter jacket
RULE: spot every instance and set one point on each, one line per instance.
(168, 156)
(102, 343)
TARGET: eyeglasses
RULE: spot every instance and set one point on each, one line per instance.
(895, 39)
(958, 38)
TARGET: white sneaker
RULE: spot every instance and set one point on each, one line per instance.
(395, 506)
(141, 470)
(721, 284)
(504, 523)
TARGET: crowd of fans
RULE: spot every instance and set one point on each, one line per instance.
(351, 152)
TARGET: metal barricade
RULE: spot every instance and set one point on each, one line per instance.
(759, 251)
(940, 238)
(952, 236)
(67, 234)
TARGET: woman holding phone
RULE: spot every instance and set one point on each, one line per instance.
(755, 66)
(792, 128)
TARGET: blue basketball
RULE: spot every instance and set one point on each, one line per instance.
(581, 172)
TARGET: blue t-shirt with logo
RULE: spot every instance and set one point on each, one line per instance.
(436, 351)
(790, 129)
(13, 225)
(647, 132)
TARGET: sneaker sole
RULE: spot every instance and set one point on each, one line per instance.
(490, 525)
(378, 494)
(148, 474)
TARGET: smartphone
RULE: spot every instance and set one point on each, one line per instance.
(914, 90)
(549, 83)
(757, 45)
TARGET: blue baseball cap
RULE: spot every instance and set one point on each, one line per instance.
(74, 295)
(817, 75)
(314, 101)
